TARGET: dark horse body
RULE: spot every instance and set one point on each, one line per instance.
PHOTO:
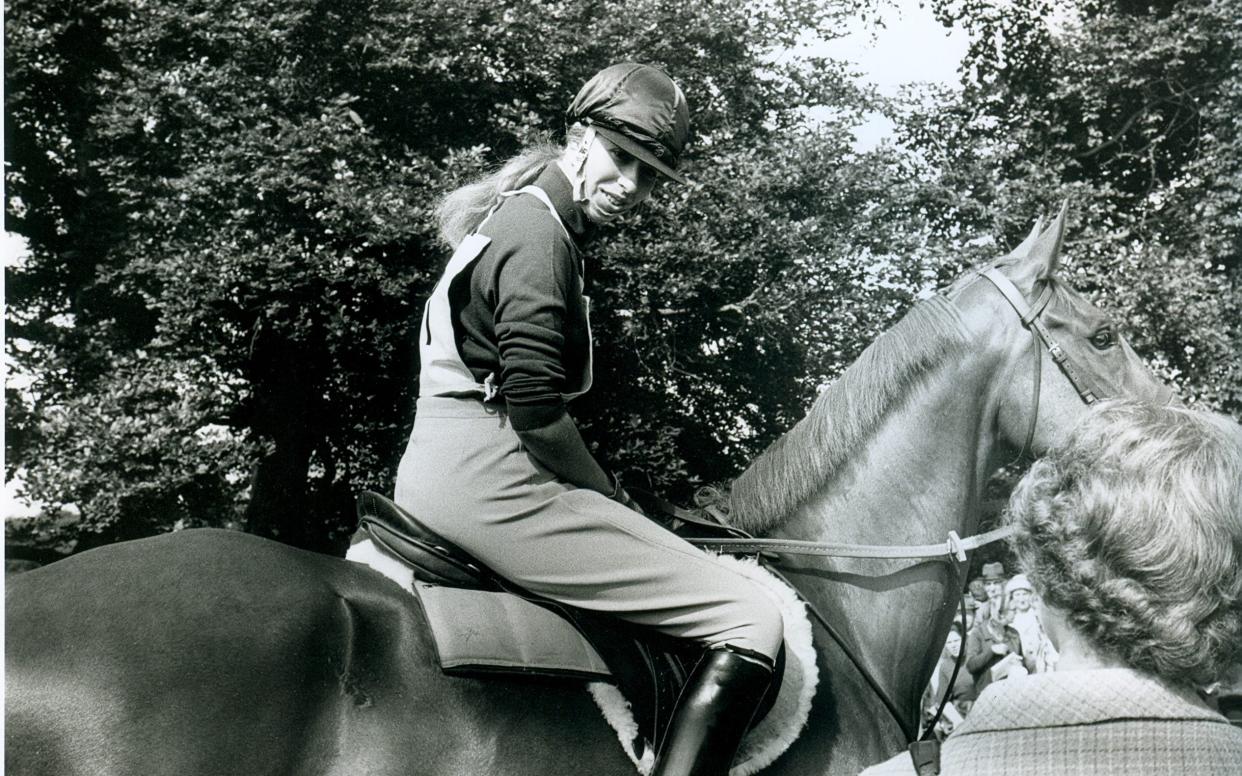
(211, 652)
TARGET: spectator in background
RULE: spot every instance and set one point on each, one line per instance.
(993, 587)
(1132, 534)
(961, 693)
(1037, 653)
(977, 589)
(972, 609)
(993, 647)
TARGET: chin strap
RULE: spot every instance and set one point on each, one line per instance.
(577, 179)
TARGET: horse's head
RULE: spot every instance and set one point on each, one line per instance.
(1061, 351)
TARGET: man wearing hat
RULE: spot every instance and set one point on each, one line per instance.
(993, 581)
(993, 647)
(495, 463)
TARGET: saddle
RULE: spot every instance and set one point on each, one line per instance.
(648, 668)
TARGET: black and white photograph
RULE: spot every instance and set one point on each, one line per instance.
(622, 387)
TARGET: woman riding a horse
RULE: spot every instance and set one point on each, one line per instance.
(495, 463)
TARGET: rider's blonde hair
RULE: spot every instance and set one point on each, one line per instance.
(462, 210)
(1133, 529)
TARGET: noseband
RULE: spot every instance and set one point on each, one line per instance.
(1039, 333)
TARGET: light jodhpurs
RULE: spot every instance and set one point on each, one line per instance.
(467, 476)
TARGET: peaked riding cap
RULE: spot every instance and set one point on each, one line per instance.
(640, 109)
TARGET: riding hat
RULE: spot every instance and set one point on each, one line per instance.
(993, 572)
(640, 109)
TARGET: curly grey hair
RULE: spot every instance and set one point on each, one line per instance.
(1133, 529)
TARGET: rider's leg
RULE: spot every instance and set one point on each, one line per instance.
(470, 480)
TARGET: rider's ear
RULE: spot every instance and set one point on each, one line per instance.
(1041, 261)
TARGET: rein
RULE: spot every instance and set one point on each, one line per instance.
(952, 551)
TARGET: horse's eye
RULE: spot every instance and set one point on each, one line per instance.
(1104, 339)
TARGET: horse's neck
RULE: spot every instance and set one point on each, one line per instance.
(920, 473)
(919, 476)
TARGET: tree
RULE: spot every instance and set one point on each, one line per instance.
(1130, 110)
(227, 206)
(228, 210)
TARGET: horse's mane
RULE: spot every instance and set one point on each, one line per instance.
(846, 414)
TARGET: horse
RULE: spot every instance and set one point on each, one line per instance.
(207, 652)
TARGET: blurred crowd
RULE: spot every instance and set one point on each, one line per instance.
(1004, 637)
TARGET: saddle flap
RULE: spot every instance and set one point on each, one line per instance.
(480, 631)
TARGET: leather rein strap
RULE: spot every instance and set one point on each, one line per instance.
(955, 548)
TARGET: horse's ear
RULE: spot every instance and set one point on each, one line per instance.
(1024, 247)
(1041, 261)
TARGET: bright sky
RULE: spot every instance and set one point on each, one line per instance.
(911, 47)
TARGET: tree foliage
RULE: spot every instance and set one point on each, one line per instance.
(228, 211)
(227, 206)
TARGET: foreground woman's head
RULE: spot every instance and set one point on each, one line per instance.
(1132, 531)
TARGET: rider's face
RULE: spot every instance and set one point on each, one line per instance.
(614, 181)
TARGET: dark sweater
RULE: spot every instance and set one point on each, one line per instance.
(518, 310)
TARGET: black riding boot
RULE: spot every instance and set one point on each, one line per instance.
(713, 712)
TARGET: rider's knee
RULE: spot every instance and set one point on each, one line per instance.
(758, 627)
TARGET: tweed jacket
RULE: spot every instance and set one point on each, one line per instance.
(1105, 722)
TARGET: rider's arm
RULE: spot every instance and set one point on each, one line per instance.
(559, 447)
(532, 314)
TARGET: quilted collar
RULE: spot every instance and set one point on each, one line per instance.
(1080, 698)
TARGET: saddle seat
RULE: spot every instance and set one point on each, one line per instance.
(433, 558)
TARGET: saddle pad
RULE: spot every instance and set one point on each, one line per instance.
(479, 630)
(464, 626)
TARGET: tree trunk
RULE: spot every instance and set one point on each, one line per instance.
(286, 376)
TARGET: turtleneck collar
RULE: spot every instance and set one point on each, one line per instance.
(558, 188)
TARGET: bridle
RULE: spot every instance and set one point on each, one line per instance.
(1039, 333)
(953, 551)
